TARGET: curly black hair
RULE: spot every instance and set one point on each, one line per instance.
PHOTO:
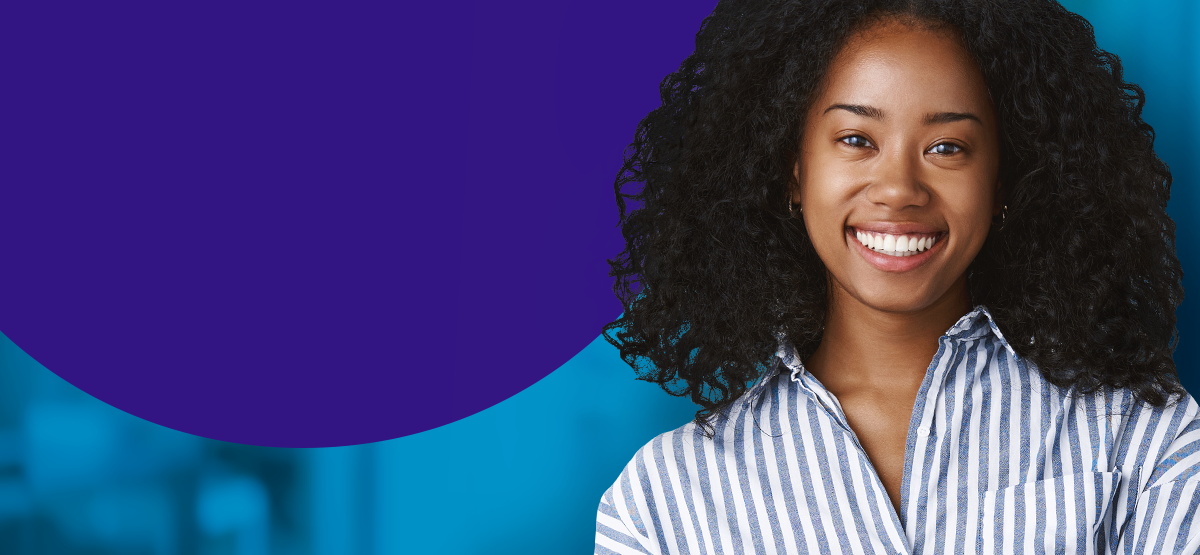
(1083, 279)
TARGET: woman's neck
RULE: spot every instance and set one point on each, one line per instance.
(869, 347)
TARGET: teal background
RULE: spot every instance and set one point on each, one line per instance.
(80, 477)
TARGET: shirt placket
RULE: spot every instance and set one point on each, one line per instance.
(923, 430)
(817, 393)
(931, 390)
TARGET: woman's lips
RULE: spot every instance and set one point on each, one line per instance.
(916, 249)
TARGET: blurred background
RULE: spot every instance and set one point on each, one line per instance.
(80, 477)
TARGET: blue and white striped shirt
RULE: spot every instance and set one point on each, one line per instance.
(997, 461)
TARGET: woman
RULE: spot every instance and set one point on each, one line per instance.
(912, 259)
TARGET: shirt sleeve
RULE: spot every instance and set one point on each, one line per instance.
(613, 536)
(1166, 515)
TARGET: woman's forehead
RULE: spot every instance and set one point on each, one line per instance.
(905, 67)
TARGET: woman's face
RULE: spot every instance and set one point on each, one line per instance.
(900, 151)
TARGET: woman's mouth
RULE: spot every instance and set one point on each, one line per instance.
(897, 245)
(896, 252)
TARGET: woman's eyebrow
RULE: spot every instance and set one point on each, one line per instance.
(950, 117)
(930, 119)
(858, 109)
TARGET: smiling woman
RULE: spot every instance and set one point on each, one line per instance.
(912, 259)
(899, 148)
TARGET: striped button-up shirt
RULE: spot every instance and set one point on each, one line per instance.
(998, 460)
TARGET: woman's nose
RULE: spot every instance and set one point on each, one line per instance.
(896, 181)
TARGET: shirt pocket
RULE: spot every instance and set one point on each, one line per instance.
(1055, 515)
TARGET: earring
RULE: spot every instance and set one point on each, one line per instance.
(792, 209)
(1003, 217)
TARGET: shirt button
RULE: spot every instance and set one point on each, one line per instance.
(923, 431)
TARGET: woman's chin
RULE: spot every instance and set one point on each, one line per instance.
(903, 297)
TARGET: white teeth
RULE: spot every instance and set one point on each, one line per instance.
(893, 245)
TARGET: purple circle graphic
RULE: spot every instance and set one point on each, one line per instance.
(308, 226)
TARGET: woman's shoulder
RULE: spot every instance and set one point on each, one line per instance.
(691, 448)
(679, 471)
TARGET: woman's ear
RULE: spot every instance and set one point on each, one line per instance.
(795, 186)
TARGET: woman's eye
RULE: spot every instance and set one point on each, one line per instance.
(945, 149)
(856, 141)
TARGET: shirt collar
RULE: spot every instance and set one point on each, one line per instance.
(973, 325)
(976, 324)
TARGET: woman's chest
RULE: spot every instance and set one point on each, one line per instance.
(985, 465)
(880, 421)
(969, 481)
